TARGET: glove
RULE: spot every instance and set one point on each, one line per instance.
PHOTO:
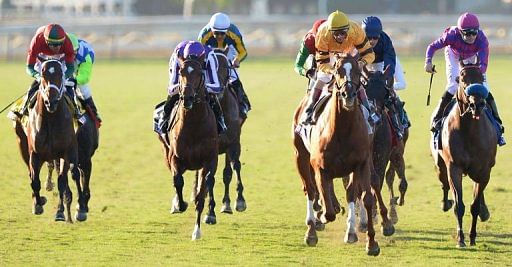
(361, 64)
(429, 67)
(70, 82)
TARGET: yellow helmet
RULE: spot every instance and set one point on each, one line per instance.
(337, 20)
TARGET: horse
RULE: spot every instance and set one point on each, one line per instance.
(468, 148)
(229, 142)
(338, 145)
(376, 85)
(397, 166)
(192, 142)
(50, 136)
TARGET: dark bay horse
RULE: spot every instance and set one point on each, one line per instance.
(229, 142)
(192, 142)
(468, 148)
(338, 145)
(50, 136)
(397, 166)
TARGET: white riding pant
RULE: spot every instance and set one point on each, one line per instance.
(83, 91)
(453, 69)
(233, 73)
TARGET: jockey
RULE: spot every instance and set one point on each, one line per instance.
(49, 40)
(219, 33)
(385, 56)
(193, 49)
(465, 41)
(84, 58)
(338, 35)
(307, 49)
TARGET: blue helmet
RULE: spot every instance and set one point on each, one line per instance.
(193, 48)
(372, 26)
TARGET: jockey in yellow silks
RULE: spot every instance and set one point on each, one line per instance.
(338, 35)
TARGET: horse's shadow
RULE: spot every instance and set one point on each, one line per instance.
(440, 236)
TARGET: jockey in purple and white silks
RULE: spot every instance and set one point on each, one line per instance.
(194, 49)
(466, 42)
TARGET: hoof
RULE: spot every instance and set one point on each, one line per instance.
(446, 206)
(362, 227)
(59, 216)
(388, 230)
(472, 242)
(210, 219)
(81, 216)
(484, 213)
(240, 205)
(319, 226)
(350, 238)
(373, 250)
(226, 208)
(401, 201)
(196, 235)
(461, 244)
(311, 241)
(177, 209)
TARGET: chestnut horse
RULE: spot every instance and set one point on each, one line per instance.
(468, 148)
(50, 136)
(338, 145)
(192, 142)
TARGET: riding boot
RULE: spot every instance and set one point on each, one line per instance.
(169, 104)
(374, 117)
(443, 103)
(494, 109)
(70, 91)
(219, 115)
(243, 100)
(314, 94)
(30, 100)
(90, 102)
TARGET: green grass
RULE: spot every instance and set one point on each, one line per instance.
(129, 220)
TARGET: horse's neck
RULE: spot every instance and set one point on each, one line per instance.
(466, 123)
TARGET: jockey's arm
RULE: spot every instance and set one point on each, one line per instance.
(84, 71)
(30, 70)
(399, 76)
(363, 46)
(300, 60)
(239, 46)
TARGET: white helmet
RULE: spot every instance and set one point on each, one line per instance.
(220, 22)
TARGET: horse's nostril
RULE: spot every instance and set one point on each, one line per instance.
(344, 94)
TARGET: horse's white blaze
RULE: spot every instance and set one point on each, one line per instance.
(190, 69)
(351, 218)
(348, 67)
(197, 232)
(310, 213)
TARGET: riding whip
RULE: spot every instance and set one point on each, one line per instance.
(6, 107)
(430, 86)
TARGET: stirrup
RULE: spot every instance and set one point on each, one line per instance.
(501, 141)
(436, 125)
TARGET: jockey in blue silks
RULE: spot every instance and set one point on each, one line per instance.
(385, 56)
(194, 49)
(466, 42)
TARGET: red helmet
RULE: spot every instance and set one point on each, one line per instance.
(316, 25)
(54, 34)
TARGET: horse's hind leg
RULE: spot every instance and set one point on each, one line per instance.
(393, 201)
(484, 211)
(199, 201)
(227, 175)
(81, 177)
(209, 178)
(241, 205)
(65, 195)
(476, 206)
(363, 176)
(442, 173)
(455, 174)
(49, 184)
(38, 201)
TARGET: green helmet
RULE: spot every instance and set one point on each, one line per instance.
(74, 40)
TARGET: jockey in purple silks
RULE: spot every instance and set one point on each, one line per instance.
(194, 49)
(465, 41)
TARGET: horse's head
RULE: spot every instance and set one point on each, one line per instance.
(347, 80)
(377, 86)
(471, 94)
(191, 81)
(52, 83)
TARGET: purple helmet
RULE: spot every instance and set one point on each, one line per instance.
(180, 47)
(193, 48)
(468, 21)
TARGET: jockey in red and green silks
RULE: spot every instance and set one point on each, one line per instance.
(84, 59)
(221, 33)
(307, 49)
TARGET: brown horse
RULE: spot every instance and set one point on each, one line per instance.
(50, 136)
(468, 148)
(229, 142)
(397, 166)
(192, 142)
(338, 145)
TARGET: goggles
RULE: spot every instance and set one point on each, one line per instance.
(340, 33)
(218, 33)
(54, 44)
(373, 37)
(468, 32)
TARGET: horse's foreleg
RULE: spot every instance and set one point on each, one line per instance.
(38, 201)
(399, 165)
(227, 175)
(393, 201)
(323, 184)
(199, 202)
(178, 204)
(49, 184)
(363, 177)
(455, 174)
(209, 178)
(65, 195)
(86, 170)
(241, 205)
(478, 189)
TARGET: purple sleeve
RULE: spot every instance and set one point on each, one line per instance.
(483, 53)
(436, 45)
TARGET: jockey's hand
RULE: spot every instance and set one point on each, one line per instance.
(236, 63)
(429, 67)
(70, 82)
(310, 73)
(37, 76)
(361, 64)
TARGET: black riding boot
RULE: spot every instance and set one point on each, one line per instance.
(314, 94)
(494, 109)
(219, 115)
(29, 101)
(436, 121)
(243, 100)
(90, 102)
(169, 104)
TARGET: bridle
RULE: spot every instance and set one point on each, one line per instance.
(45, 90)
(196, 97)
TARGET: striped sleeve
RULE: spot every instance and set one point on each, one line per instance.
(363, 46)
(239, 44)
